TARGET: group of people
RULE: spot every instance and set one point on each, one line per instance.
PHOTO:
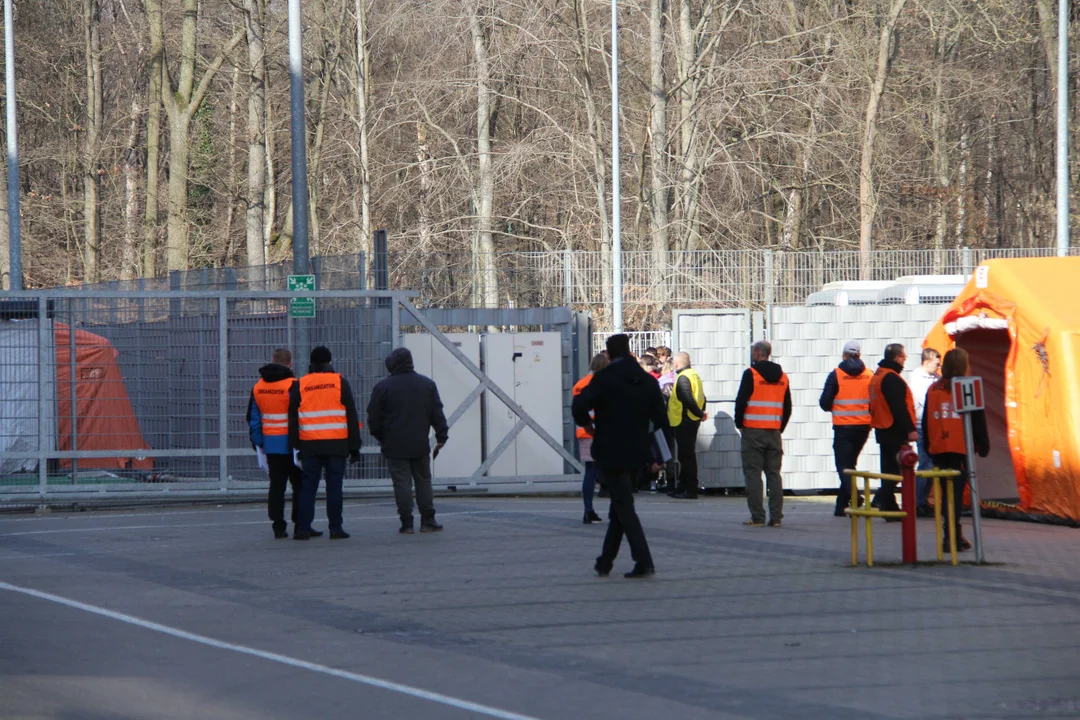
(305, 429)
(919, 409)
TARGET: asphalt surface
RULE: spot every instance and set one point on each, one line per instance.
(199, 613)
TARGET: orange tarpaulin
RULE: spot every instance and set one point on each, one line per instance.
(1020, 322)
(105, 419)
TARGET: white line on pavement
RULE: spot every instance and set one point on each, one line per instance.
(274, 657)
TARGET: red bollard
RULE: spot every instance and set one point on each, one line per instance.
(908, 460)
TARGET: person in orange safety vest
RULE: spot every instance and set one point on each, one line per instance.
(943, 429)
(846, 396)
(584, 438)
(892, 415)
(268, 426)
(324, 430)
(762, 411)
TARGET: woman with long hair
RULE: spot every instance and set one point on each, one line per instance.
(943, 429)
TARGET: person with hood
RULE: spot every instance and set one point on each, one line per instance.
(686, 411)
(403, 409)
(324, 430)
(943, 429)
(268, 427)
(847, 396)
(892, 415)
(626, 402)
(762, 411)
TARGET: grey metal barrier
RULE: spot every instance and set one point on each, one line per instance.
(143, 395)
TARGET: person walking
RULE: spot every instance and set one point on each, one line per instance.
(892, 415)
(585, 439)
(324, 430)
(847, 396)
(943, 429)
(686, 410)
(268, 427)
(920, 381)
(402, 411)
(762, 412)
(626, 401)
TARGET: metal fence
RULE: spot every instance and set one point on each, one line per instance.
(138, 394)
(653, 284)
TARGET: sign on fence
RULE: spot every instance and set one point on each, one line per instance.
(967, 394)
(302, 307)
(301, 283)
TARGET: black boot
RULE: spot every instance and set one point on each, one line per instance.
(429, 525)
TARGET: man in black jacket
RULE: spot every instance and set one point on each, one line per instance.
(324, 430)
(402, 409)
(846, 396)
(892, 414)
(626, 400)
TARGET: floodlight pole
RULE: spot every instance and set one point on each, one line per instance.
(1063, 129)
(616, 189)
(14, 216)
(298, 126)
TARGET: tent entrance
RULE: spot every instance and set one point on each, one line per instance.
(988, 350)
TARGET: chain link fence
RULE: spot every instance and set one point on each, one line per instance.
(653, 283)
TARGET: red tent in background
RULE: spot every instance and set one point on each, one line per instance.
(105, 418)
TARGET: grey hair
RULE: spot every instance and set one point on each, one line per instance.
(763, 347)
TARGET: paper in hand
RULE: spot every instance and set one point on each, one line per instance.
(261, 458)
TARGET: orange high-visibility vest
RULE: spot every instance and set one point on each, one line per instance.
(765, 410)
(580, 385)
(944, 426)
(322, 415)
(881, 417)
(272, 399)
(852, 403)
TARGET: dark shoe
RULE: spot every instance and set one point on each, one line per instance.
(774, 523)
(301, 535)
(406, 529)
(839, 511)
(430, 526)
(339, 535)
(315, 533)
(280, 534)
(684, 496)
(754, 523)
(924, 511)
(640, 572)
(894, 519)
(601, 569)
(592, 517)
(962, 544)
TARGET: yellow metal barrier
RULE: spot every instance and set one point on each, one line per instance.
(869, 513)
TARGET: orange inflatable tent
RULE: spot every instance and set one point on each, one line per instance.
(103, 409)
(1020, 322)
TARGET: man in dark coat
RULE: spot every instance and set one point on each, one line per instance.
(892, 412)
(403, 409)
(626, 401)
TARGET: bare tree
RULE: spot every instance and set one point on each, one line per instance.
(92, 145)
(256, 138)
(485, 191)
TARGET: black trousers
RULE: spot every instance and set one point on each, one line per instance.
(282, 472)
(848, 443)
(622, 520)
(686, 443)
(952, 461)
(890, 465)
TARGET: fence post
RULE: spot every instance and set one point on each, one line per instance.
(176, 308)
(568, 276)
(361, 268)
(43, 405)
(316, 270)
(768, 293)
(223, 392)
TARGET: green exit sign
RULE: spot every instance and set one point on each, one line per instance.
(301, 283)
(302, 307)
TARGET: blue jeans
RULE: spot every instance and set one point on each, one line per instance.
(923, 486)
(313, 466)
(588, 485)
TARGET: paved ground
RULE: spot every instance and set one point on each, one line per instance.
(198, 613)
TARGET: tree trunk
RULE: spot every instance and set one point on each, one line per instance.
(129, 254)
(363, 96)
(5, 238)
(423, 159)
(153, 135)
(688, 185)
(658, 205)
(91, 149)
(255, 242)
(270, 213)
(227, 254)
(939, 133)
(485, 172)
(181, 103)
(867, 200)
(962, 181)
